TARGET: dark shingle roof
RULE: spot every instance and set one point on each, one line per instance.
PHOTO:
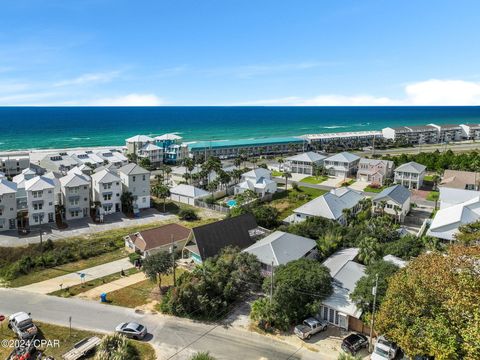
(160, 236)
(212, 238)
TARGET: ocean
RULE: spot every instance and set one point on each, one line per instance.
(65, 127)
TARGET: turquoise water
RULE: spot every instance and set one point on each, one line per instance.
(63, 127)
(232, 203)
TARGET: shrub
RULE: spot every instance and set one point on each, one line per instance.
(187, 214)
(202, 356)
(134, 257)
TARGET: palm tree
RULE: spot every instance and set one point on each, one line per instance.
(212, 186)
(127, 200)
(187, 177)
(287, 175)
(254, 161)
(369, 250)
(224, 178)
(436, 179)
(115, 347)
(162, 192)
(280, 162)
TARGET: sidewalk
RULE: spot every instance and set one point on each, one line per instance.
(51, 285)
(94, 294)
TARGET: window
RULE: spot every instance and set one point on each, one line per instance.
(37, 194)
(74, 213)
(107, 186)
(74, 202)
(37, 206)
(144, 178)
(133, 178)
(107, 197)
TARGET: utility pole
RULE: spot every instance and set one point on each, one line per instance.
(173, 262)
(374, 292)
(271, 284)
(41, 236)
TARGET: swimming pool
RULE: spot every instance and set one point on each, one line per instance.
(232, 203)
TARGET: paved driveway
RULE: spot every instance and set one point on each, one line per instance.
(51, 285)
(359, 185)
(333, 181)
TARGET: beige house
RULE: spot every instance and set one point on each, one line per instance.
(374, 171)
(410, 175)
(465, 180)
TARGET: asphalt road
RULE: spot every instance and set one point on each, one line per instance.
(173, 338)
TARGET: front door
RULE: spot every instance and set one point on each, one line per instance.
(342, 321)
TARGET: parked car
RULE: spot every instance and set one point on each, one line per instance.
(22, 324)
(354, 342)
(310, 327)
(384, 349)
(132, 330)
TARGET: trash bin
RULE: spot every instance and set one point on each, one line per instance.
(103, 297)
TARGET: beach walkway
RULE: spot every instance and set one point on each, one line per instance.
(51, 285)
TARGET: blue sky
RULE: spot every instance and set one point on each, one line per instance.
(239, 52)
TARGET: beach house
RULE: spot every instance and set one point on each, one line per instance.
(304, 163)
(75, 193)
(153, 153)
(374, 171)
(258, 180)
(87, 157)
(107, 190)
(136, 180)
(279, 248)
(114, 157)
(338, 309)
(394, 200)
(410, 175)
(8, 205)
(343, 164)
(331, 205)
(137, 142)
(465, 180)
(59, 162)
(40, 192)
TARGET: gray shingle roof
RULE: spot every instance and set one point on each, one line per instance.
(280, 248)
(397, 193)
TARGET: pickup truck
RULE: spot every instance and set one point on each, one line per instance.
(21, 323)
(310, 327)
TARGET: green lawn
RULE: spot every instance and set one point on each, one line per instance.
(276, 173)
(433, 195)
(78, 289)
(286, 201)
(428, 178)
(348, 182)
(314, 179)
(373, 189)
(66, 340)
(140, 293)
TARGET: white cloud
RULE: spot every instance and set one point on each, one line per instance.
(128, 100)
(90, 78)
(433, 92)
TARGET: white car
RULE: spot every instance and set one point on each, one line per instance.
(384, 349)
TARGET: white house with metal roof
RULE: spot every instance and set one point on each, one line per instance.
(330, 205)
(87, 157)
(136, 180)
(343, 164)
(8, 205)
(59, 162)
(40, 192)
(152, 152)
(75, 192)
(21, 195)
(279, 248)
(107, 189)
(446, 222)
(338, 309)
(258, 180)
(137, 142)
(304, 163)
(187, 194)
(394, 200)
(410, 175)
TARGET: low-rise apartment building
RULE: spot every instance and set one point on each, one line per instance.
(8, 205)
(136, 180)
(114, 157)
(107, 190)
(75, 192)
(448, 132)
(13, 163)
(410, 175)
(58, 162)
(412, 134)
(152, 152)
(471, 131)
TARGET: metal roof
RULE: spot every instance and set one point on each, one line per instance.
(397, 193)
(412, 167)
